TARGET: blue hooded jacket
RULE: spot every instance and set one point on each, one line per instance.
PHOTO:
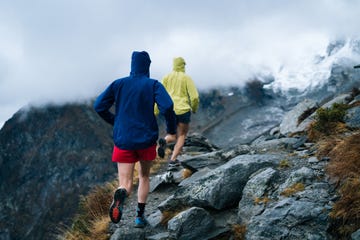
(135, 125)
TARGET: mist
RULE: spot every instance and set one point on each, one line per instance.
(63, 51)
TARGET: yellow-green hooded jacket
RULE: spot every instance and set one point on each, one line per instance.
(181, 88)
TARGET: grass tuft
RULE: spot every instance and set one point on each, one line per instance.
(238, 231)
(167, 215)
(344, 167)
(284, 164)
(186, 173)
(297, 187)
(263, 200)
(92, 221)
(345, 159)
(326, 119)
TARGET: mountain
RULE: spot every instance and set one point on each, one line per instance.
(49, 157)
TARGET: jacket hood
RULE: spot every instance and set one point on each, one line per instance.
(140, 63)
(179, 64)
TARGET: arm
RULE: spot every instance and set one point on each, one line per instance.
(103, 103)
(165, 106)
(193, 95)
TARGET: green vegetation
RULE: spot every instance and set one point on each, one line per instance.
(326, 118)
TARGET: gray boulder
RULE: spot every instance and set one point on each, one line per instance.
(261, 144)
(255, 189)
(134, 234)
(303, 175)
(222, 187)
(290, 123)
(356, 235)
(343, 98)
(352, 117)
(194, 163)
(193, 223)
(289, 219)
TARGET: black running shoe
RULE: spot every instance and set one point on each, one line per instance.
(173, 165)
(116, 207)
(162, 147)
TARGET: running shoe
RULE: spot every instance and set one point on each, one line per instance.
(162, 147)
(173, 165)
(140, 222)
(116, 207)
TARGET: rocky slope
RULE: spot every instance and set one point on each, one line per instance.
(48, 158)
(51, 155)
(273, 188)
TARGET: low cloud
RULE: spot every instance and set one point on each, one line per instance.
(61, 51)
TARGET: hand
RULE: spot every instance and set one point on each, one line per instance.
(170, 138)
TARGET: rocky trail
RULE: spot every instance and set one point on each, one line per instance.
(272, 188)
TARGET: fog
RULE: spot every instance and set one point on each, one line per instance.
(61, 50)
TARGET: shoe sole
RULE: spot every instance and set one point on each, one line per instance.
(173, 167)
(116, 207)
(162, 147)
(141, 225)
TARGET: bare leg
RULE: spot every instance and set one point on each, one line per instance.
(182, 130)
(144, 181)
(126, 174)
(170, 138)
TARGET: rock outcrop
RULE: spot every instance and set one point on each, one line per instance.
(275, 188)
(49, 158)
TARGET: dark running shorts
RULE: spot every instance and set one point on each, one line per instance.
(183, 118)
(132, 156)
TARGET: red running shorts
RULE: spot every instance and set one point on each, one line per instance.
(132, 156)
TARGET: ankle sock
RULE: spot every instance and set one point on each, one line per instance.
(140, 209)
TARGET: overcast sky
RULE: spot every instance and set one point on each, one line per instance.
(69, 50)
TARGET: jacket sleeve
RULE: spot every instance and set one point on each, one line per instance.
(156, 108)
(103, 103)
(193, 95)
(165, 106)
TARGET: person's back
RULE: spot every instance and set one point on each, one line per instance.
(181, 88)
(185, 96)
(135, 130)
(135, 125)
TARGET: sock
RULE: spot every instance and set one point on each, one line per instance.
(140, 209)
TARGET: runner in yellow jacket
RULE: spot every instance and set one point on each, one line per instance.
(185, 96)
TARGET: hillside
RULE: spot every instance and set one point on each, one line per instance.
(51, 155)
(48, 158)
(298, 181)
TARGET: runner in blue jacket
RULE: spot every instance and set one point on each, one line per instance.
(135, 130)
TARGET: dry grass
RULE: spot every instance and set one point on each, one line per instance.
(333, 129)
(100, 229)
(344, 167)
(346, 211)
(345, 158)
(167, 215)
(92, 221)
(186, 173)
(333, 141)
(284, 164)
(263, 200)
(238, 231)
(297, 187)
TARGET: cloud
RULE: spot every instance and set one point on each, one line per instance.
(66, 50)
